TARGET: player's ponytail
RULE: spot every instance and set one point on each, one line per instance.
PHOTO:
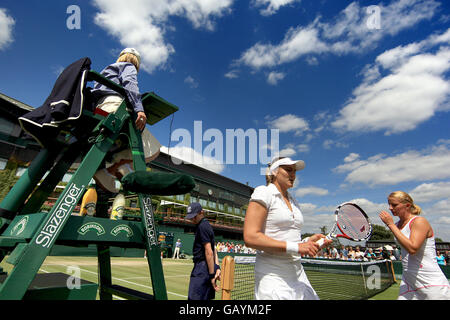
(406, 198)
(416, 210)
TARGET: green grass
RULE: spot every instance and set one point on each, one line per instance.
(390, 293)
(134, 273)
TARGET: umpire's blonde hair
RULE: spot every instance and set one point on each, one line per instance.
(403, 197)
(131, 58)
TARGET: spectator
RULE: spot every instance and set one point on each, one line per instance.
(351, 253)
(334, 254)
(359, 255)
(388, 253)
(344, 253)
(176, 253)
(440, 259)
(370, 255)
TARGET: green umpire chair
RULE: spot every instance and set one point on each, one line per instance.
(28, 235)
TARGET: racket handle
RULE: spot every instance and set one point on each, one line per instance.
(322, 240)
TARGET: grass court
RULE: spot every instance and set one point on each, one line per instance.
(134, 273)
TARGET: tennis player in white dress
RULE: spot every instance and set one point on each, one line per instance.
(273, 226)
(422, 278)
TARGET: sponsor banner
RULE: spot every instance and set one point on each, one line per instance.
(59, 215)
(122, 228)
(149, 221)
(91, 226)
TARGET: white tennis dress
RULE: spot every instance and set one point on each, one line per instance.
(280, 276)
(422, 278)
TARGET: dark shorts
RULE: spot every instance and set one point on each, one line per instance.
(200, 287)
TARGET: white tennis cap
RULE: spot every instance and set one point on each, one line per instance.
(299, 164)
(132, 51)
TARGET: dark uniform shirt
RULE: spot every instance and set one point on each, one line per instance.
(200, 287)
(203, 234)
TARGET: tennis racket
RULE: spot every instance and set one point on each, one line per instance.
(351, 222)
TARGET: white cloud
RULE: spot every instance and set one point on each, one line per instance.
(316, 217)
(353, 31)
(191, 82)
(414, 89)
(296, 43)
(232, 74)
(271, 6)
(424, 165)
(445, 220)
(348, 32)
(301, 192)
(312, 61)
(328, 144)
(142, 24)
(289, 122)
(439, 212)
(189, 155)
(351, 157)
(291, 149)
(287, 152)
(303, 147)
(6, 27)
(427, 192)
(274, 77)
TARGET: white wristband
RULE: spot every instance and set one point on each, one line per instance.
(291, 247)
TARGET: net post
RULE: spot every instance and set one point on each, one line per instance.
(390, 266)
(227, 281)
(363, 278)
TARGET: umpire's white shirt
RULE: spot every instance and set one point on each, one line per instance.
(280, 275)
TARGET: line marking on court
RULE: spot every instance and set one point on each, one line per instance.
(134, 283)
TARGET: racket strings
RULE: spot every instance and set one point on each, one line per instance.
(353, 222)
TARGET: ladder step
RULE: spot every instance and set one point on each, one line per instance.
(14, 257)
(10, 242)
(127, 293)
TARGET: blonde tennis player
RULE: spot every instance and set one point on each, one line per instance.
(422, 279)
(273, 225)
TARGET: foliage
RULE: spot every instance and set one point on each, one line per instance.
(7, 178)
(381, 233)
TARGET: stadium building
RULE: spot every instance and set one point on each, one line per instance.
(224, 200)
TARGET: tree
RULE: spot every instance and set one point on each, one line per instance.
(381, 233)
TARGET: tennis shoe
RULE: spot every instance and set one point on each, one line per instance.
(106, 181)
(123, 170)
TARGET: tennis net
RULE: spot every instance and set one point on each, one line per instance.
(331, 279)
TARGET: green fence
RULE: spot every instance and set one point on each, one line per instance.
(398, 270)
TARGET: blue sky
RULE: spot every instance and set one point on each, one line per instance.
(358, 90)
